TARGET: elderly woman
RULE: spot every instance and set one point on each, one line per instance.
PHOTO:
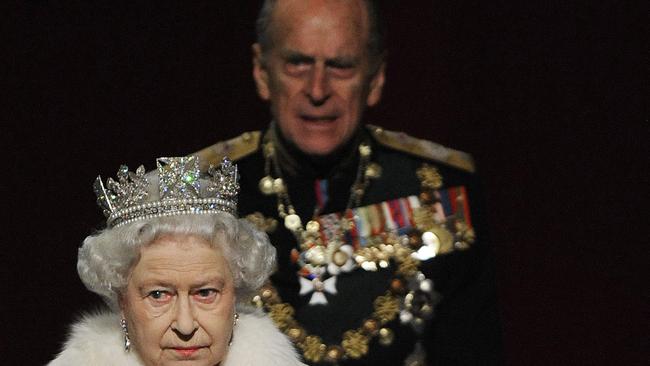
(176, 268)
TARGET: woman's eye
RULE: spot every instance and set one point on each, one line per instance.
(159, 295)
(206, 294)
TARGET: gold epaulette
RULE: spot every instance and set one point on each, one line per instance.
(235, 148)
(422, 148)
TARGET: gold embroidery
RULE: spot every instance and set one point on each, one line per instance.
(429, 177)
(355, 344)
(386, 308)
(408, 267)
(313, 348)
(422, 148)
(281, 314)
(267, 224)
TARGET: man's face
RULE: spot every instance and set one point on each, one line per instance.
(317, 74)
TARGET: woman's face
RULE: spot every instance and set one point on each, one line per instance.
(179, 303)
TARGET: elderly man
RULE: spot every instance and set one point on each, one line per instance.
(382, 251)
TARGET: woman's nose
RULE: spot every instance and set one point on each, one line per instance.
(184, 320)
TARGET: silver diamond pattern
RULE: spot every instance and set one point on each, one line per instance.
(179, 177)
(225, 180)
(127, 200)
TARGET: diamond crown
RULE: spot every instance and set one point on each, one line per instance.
(177, 189)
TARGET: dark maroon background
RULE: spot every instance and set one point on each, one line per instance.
(547, 95)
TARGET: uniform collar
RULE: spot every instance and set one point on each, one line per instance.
(296, 163)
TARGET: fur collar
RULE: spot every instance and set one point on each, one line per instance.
(97, 340)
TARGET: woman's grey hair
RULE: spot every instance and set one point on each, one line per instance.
(106, 259)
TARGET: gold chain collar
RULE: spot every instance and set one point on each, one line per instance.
(410, 295)
(269, 185)
(315, 257)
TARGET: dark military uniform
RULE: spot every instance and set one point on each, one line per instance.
(465, 329)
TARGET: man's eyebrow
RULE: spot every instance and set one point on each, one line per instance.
(342, 61)
(294, 56)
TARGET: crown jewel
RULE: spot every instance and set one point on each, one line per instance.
(181, 190)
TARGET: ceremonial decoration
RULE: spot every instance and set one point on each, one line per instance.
(394, 235)
(181, 190)
(320, 262)
(411, 298)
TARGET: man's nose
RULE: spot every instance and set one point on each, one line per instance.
(185, 323)
(318, 88)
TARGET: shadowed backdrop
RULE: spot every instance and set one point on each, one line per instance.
(548, 98)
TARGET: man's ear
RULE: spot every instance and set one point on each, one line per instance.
(376, 86)
(260, 73)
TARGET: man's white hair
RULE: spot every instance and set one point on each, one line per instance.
(107, 258)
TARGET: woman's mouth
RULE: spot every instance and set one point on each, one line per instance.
(186, 351)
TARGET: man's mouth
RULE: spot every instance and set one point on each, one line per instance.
(318, 118)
